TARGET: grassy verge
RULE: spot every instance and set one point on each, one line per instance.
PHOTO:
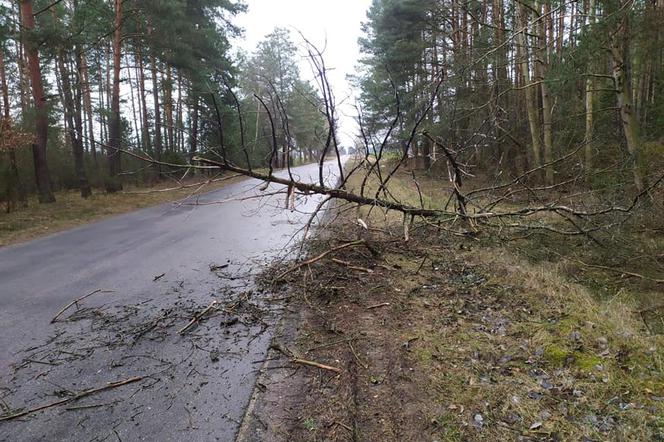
(71, 210)
(450, 338)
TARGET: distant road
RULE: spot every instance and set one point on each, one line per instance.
(163, 264)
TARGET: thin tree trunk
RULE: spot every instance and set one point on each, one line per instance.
(15, 189)
(102, 104)
(193, 147)
(114, 141)
(178, 117)
(144, 107)
(157, 112)
(42, 174)
(133, 107)
(543, 63)
(530, 89)
(21, 63)
(590, 97)
(87, 103)
(168, 107)
(109, 94)
(75, 139)
(620, 59)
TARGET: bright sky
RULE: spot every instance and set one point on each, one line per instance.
(330, 24)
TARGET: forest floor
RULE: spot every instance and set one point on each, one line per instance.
(70, 210)
(449, 338)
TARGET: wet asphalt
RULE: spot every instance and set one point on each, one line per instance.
(157, 267)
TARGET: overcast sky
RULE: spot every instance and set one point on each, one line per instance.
(336, 22)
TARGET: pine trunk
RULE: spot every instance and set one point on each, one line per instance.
(73, 126)
(87, 103)
(529, 88)
(543, 64)
(143, 103)
(168, 107)
(137, 131)
(193, 147)
(42, 174)
(157, 112)
(114, 129)
(619, 61)
(15, 189)
(590, 97)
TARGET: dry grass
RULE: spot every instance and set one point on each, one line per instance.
(477, 343)
(71, 210)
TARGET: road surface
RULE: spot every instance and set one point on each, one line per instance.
(157, 268)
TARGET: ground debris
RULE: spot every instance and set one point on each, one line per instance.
(484, 344)
(71, 398)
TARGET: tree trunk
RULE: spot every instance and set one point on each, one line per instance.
(15, 189)
(193, 147)
(178, 118)
(619, 60)
(73, 127)
(157, 112)
(102, 105)
(144, 107)
(24, 77)
(168, 107)
(543, 64)
(590, 97)
(133, 106)
(530, 89)
(87, 103)
(114, 129)
(42, 175)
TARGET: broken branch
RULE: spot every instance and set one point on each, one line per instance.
(76, 301)
(198, 317)
(319, 257)
(316, 364)
(76, 397)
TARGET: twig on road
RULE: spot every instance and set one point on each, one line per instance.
(73, 398)
(198, 317)
(76, 301)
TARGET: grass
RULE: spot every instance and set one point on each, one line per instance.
(70, 210)
(482, 339)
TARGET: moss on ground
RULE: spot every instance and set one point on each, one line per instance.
(474, 339)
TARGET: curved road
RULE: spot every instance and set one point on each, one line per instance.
(157, 267)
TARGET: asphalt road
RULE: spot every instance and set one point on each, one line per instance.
(160, 266)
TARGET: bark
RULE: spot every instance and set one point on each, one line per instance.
(144, 107)
(102, 104)
(137, 131)
(24, 77)
(543, 65)
(193, 147)
(619, 61)
(74, 127)
(15, 189)
(42, 174)
(114, 129)
(157, 112)
(168, 108)
(178, 118)
(87, 103)
(561, 29)
(590, 97)
(530, 89)
(107, 91)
